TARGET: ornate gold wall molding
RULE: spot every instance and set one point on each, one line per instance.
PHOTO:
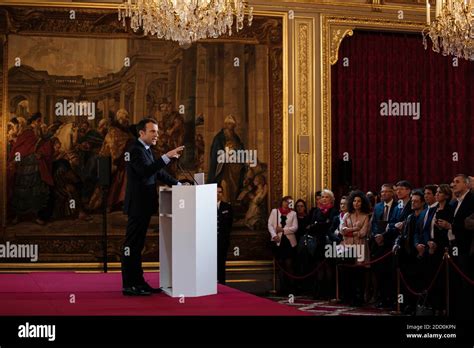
(333, 30)
(304, 108)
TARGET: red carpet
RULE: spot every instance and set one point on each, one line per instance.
(100, 294)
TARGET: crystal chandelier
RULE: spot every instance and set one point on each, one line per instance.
(452, 32)
(185, 21)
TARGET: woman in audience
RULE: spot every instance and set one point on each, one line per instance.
(355, 227)
(282, 226)
(438, 241)
(303, 218)
(320, 223)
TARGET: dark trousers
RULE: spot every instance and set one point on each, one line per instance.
(414, 272)
(384, 271)
(351, 280)
(222, 247)
(461, 292)
(132, 271)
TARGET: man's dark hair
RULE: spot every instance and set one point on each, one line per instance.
(404, 183)
(141, 126)
(431, 188)
(418, 193)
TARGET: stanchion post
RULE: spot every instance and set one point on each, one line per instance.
(446, 261)
(337, 283)
(273, 291)
(398, 290)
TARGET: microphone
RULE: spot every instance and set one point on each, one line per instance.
(186, 172)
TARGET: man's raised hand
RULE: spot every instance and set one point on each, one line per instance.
(176, 152)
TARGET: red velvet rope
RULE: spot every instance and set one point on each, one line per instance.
(469, 280)
(413, 292)
(292, 276)
(363, 264)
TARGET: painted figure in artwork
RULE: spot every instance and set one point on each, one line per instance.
(115, 143)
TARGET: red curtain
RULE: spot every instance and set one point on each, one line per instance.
(396, 67)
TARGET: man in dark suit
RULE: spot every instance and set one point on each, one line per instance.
(409, 251)
(224, 226)
(461, 302)
(385, 213)
(425, 232)
(141, 202)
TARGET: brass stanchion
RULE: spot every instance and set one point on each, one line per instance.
(273, 291)
(445, 258)
(337, 283)
(398, 290)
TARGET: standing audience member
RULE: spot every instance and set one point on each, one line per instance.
(385, 213)
(437, 244)
(355, 227)
(320, 223)
(461, 303)
(282, 226)
(303, 218)
(408, 255)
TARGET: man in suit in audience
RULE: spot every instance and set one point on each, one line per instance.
(141, 202)
(384, 214)
(409, 255)
(461, 304)
(426, 230)
(224, 227)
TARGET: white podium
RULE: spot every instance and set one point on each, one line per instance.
(188, 240)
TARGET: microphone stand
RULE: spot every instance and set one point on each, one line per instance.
(186, 172)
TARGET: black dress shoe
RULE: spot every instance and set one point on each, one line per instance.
(147, 287)
(135, 291)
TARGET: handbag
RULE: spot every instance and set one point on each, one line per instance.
(307, 244)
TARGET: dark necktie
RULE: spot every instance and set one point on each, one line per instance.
(385, 213)
(150, 154)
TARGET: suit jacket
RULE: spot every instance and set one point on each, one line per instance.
(423, 232)
(320, 225)
(143, 171)
(401, 214)
(407, 238)
(378, 225)
(334, 233)
(441, 235)
(463, 235)
(224, 221)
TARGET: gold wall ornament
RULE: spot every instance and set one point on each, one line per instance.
(337, 35)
